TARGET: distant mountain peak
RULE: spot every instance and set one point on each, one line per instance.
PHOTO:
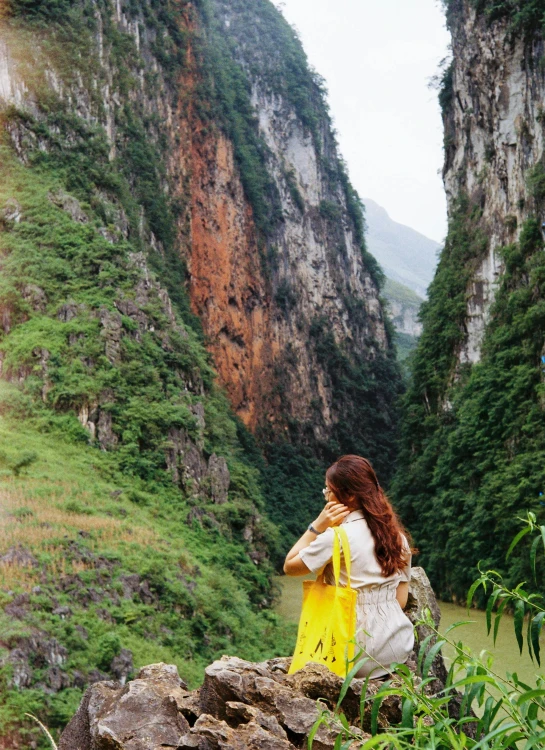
(406, 255)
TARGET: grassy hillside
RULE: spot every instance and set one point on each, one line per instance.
(88, 526)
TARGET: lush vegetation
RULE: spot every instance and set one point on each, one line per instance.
(478, 707)
(522, 15)
(91, 526)
(473, 438)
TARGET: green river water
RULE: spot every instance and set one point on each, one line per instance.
(505, 652)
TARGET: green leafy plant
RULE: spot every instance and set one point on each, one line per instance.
(535, 181)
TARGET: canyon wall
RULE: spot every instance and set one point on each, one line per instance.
(277, 272)
(472, 426)
(494, 136)
(307, 266)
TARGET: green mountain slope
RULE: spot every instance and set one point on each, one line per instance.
(406, 256)
(112, 574)
(88, 518)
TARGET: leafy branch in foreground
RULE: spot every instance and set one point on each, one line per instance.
(476, 707)
(524, 605)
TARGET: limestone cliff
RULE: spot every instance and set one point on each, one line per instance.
(262, 295)
(494, 137)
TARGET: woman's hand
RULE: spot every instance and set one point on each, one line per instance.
(333, 514)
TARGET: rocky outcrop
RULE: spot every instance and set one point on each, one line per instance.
(239, 705)
(404, 306)
(494, 138)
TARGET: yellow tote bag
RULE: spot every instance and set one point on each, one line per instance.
(328, 617)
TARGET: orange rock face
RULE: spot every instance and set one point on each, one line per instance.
(227, 288)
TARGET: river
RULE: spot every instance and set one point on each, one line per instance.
(505, 652)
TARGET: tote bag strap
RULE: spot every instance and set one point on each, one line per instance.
(341, 538)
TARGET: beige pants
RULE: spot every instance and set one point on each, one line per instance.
(383, 630)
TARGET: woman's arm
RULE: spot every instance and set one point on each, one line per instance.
(402, 594)
(332, 515)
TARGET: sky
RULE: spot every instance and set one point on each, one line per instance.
(377, 57)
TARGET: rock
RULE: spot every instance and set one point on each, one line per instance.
(12, 212)
(421, 598)
(57, 679)
(112, 331)
(141, 715)
(105, 433)
(68, 311)
(122, 666)
(185, 461)
(134, 586)
(69, 204)
(21, 670)
(219, 478)
(108, 235)
(241, 704)
(18, 607)
(62, 612)
(35, 651)
(19, 556)
(218, 734)
(241, 712)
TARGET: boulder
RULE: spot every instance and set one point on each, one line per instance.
(19, 556)
(142, 715)
(422, 599)
(240, 705)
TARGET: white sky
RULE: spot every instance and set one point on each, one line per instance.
(377, 57)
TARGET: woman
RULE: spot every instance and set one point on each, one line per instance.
(380, 557)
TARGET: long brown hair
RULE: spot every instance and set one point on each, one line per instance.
(354, 477)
